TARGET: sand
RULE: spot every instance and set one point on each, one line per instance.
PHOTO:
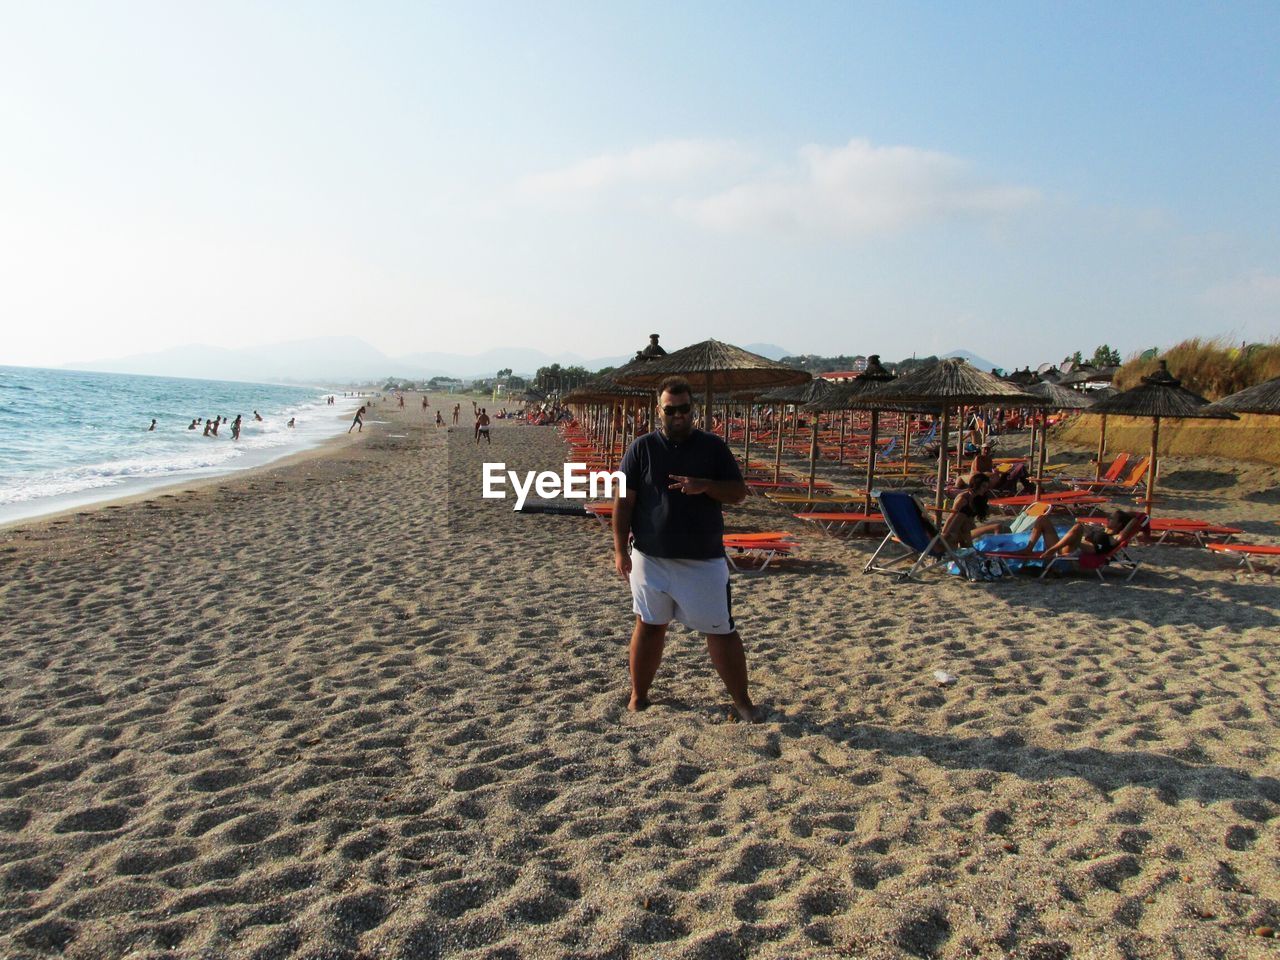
(346, 708)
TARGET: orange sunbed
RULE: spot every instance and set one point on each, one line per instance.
(1250, 553)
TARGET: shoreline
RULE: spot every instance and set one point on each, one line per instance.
(138, 489)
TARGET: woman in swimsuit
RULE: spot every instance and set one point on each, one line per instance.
(969, 509)
(1090, 538)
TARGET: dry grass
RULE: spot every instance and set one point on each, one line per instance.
(1251, 438)
(1213, 368)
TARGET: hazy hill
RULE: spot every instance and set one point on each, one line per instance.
(346, 360)
(972, 359)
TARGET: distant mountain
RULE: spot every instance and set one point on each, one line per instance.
(972, 359)
(332, 360)
(320, 359)
(770, 350)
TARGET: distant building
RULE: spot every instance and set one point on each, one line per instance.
(857, 366)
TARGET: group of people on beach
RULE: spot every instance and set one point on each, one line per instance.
(969, 521)
(211, 425)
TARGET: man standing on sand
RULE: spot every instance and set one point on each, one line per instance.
(482, 427)
(457, 412)
(677, 479)
(358, 421)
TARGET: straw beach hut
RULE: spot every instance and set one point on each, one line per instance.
(947, 384)
(1160, 396)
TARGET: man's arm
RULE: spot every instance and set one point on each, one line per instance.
(725, 491)
(622, 510)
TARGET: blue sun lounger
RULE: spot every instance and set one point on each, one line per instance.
(916, 539)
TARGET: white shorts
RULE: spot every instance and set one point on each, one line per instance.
(695, 592)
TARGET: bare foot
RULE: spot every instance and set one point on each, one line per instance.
(638, 703)
(747, 713)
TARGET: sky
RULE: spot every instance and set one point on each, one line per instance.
(1021, 180)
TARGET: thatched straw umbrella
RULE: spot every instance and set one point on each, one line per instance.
(715, 367)
(801, 395)
(1261, 398)
(1023, 378)
(851, 396)
(1056, 398)
(947, 384)
(1160, 397)
(606, 391)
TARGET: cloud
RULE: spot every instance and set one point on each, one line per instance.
(1254, 293)
(859, 189)
(670, 162)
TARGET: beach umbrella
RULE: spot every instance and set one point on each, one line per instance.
(605, 391)
(800, 395)
(944, 386)
(852, 396)
(1056, 398)
(717, 368)
(1081, 373)
(1024, 377)
(1160, 396)
(1263, 398)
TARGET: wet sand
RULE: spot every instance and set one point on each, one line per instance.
(345, 707)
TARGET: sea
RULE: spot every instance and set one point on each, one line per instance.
(70, 438)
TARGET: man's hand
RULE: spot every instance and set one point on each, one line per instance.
(689, 485)
(622, 563)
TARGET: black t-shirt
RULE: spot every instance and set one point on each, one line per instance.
(668, 523)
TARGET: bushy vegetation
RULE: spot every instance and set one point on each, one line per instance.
(817, 364)
(1213, 368)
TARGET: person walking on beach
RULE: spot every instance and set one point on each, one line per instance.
(439, 419)
(457, 412)
(482, 427)
(424, 403)
(358, 421)
(676, 480)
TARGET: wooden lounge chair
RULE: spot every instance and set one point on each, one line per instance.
(1252, 555)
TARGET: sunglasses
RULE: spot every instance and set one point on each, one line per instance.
(677, 408)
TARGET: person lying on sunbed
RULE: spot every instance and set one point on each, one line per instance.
(1090, 538)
